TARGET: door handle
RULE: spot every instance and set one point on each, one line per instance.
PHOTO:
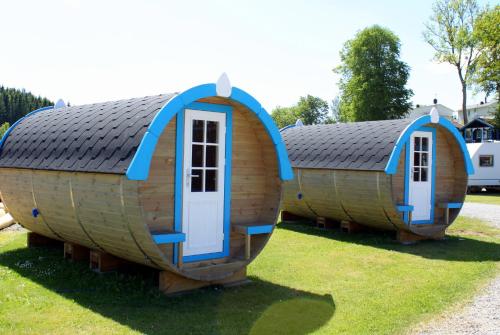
(189, 175)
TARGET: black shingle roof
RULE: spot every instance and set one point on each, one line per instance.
(101, 137)
(347, 146)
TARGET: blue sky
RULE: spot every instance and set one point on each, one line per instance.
(90, 51)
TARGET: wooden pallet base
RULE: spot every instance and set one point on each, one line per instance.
(351, 227)
(171, 283)
(104, 262)
(36, 240)
(76, 252)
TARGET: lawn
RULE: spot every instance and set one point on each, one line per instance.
(484, 198)
(306, 280)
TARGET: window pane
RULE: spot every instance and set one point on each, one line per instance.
(424, 159)
(196, 180)
(425, 144)
(417, 143)
(416, 159)
(486, 161)
(197, 155)
(416, 176)
(212, 130)
(211, 158)
(198, 130)
(423, 174)
(211, 181)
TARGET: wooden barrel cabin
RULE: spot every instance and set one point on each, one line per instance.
(404, 175)
(188, 183)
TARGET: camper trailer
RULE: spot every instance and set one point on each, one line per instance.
(485, 157)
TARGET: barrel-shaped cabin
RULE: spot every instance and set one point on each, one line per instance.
(404, 175)
(189, 183)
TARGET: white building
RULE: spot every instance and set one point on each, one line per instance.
(443, 111)
(483, 110)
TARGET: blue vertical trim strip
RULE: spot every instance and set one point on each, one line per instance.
(228, 181)
(179, 169)
(433, 177)
(407, 180)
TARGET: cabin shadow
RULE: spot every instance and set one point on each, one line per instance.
(451, 248)
(131, 298)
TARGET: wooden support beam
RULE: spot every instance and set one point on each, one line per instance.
(171, 283)
(180, 255)
(351, 227)
(76, 252)
(104, 262)
(320, 222)
(36, 240)
(248, 246)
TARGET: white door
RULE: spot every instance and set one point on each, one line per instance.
(203, 180)
(420, 172)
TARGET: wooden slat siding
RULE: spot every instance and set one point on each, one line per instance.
(102, 217)
(451, 174)
(156, 194)
(318, 189)
(16, 185)
(160, 256)
(290, 202)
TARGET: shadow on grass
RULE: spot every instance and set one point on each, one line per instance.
(132, 299)
(452, 248)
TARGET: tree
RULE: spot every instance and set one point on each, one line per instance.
(373, 78)
(309, 109)
(3, 128)
(284, 116)
(14, 104)
(486, 76)
(450, 32)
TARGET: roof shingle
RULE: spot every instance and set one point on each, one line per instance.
(347, 146)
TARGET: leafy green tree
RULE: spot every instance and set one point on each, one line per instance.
(3, 128)
(487, 33)
(450, 32)
(373, 78)
(284, 116)
(14, 104)
(309, 109)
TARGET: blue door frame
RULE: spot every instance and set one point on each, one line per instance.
(179, 161)
(408, 172)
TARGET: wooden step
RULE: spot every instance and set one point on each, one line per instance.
(214, 271)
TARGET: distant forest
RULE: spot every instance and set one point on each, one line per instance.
(14, 104)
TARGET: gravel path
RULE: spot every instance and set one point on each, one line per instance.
(485, 212)
(482, 315)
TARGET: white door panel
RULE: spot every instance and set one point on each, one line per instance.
(203, 186)
(420, 173)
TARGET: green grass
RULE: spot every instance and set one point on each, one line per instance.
(306, 280)
(484, 198)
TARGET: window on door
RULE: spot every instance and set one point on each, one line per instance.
(421, 159)
(205, 154)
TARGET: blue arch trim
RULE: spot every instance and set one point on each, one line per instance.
(139, 167)
(287, 127)
(392, 164)
(7, 133)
